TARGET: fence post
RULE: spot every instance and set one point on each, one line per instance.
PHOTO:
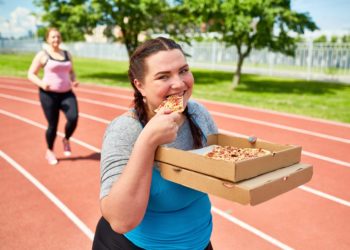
(309, 60)
(213, 54)
(271, 61)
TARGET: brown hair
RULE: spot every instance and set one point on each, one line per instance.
(48, 32)
(137, 70)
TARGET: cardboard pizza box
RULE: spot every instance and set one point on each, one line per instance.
(253, 191)
(282, 156)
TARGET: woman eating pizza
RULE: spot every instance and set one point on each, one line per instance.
(140, 209)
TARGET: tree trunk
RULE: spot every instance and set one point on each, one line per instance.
(237, 76)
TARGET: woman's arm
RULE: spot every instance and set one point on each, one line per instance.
(72, 75)
(37, 63)
(126, 203)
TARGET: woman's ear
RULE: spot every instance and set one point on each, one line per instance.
(139, 86)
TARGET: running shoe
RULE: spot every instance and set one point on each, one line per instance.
(66, 147)
(51, 158)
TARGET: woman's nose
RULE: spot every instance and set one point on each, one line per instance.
(177, 82)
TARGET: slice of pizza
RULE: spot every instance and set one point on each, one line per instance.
(174, 102)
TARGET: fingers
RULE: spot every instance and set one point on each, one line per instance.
(164, 111)
(252, 139)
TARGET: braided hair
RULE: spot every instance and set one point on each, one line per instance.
(137, 71)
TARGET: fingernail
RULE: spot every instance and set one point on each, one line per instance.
(252, 139)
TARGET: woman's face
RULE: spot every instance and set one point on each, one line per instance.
(166, 73)
(54, 38)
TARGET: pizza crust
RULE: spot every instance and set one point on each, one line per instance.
(175, 103)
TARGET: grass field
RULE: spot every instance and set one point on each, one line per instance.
(310, 98)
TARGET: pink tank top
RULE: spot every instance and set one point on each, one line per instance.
(57, 73)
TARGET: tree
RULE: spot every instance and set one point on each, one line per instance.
(345, 39)
(252, 24)
(320, 39)
(132, 17)
(73, 18)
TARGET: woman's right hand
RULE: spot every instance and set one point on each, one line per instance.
(163, 127)
(44, 86)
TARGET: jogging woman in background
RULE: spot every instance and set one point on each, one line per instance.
(55, 90)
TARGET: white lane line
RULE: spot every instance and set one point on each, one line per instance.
(74, 218)
(69, 215)
(313, 155)
(97, 150)
(234, 117)
(229, 217)
(325, 158)
(261, 110)
(29, 90)
(91, 117)
(38, 125)
(251, 229)
(105, 104)
(325, 195)
(310, 154)
(233, 105)
(274, 125)
(94, 118)
(104, 93)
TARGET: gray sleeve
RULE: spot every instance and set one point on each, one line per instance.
(118, 142)
(203, 118)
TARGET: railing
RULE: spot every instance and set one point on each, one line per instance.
(328, 62)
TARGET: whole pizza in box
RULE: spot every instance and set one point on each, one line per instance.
(235, 154)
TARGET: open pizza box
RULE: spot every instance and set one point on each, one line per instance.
(281, 156)
(252, 191)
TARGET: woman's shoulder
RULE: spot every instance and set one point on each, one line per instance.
(124, 128)
(125, 122)
(196, 107)
(41, 53)
(67, 54)
(202, 116)
(42, 57)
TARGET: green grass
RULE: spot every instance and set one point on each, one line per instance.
(310, 98)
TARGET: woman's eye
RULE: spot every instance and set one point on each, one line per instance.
(164, 77)
(183, 71)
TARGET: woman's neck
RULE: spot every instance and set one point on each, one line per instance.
(54, 49)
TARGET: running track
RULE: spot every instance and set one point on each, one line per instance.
(56, 207)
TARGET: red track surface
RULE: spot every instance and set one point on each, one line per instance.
(314, 216)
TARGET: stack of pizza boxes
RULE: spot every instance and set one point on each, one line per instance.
(250, 181)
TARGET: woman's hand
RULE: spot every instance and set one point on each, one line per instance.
(45, 86)
(163, 127)
(75, 84)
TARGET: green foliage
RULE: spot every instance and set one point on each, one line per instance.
(73, 18)
(248, 24)
(334, 39)
(345, 39)
(320, 39)
(133, 17)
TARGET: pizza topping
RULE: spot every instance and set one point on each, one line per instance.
(174, 103)
(234, 154)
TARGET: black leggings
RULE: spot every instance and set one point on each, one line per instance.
(52, 103)
(107, 239)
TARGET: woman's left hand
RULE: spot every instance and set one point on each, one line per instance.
(75, 84)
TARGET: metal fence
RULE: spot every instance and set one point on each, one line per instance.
(326, 62)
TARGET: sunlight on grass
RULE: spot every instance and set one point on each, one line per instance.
(310, 98)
